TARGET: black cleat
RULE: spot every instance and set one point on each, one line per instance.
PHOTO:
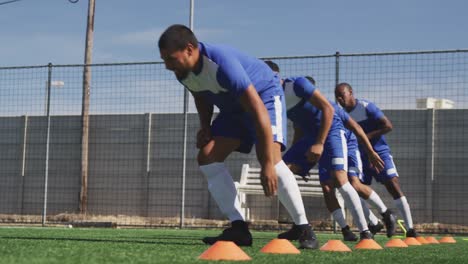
(348, 235)
(303, 233)
(308, 240)
(411, 233)
(238, 233)
(292, 234)
(366, 235)
(374, 229)
(390, 222)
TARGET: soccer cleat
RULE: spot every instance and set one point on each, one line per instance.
(366, 235)
(303, 233)
(374, 229)
(292, 234)
(411, 233)
(238, 233)
(348, 235)
(308, 240)
(390, 222)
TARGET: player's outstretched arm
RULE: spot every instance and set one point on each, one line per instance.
(252, 103)
(319, 101)
(205, 113)
(374, 158)
(385, 126)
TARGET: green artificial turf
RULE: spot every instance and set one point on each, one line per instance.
(64, 245)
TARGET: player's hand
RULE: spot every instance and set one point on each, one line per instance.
(269, 179)
(375, 161)
(314, 153)
(203, 137)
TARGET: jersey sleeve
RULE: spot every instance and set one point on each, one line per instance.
(303, 88)
(342, 114)
(374, 112)
(231, 75)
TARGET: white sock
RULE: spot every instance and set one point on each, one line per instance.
(370, 217)
(339, 217)
(223, 190)
(402, 205)
(289, 194)
(352, 201)
(374, 200)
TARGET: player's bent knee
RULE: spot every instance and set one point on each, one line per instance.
(204, 157)
(356, 183)
(393, 187)
(296, 169)
(327, 188)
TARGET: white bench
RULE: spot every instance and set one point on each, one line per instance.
(250, 184)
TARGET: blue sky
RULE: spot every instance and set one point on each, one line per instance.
(35, 32)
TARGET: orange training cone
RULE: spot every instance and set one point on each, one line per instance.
(411, 241)
(280, 246)
(422, 240)
(447, 239)
(335, 245)
(432, 240)
(367, 244)
(224, 250)
(396, 243)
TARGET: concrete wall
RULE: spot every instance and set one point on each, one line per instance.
(135, 167)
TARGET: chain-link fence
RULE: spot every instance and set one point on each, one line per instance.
(136, 141)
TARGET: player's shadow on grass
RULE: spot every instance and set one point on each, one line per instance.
(147, 241)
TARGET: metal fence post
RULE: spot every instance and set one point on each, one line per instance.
(337, 80)
(46, 172)
(147, 173)
(184, 161)
(23, 162)
(337, 68)
(430, 148)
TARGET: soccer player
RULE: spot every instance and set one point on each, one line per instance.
(366, 193)
(251, 103)
(375, 124)
(319, 138)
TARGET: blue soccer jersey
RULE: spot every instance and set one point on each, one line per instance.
(367, 114)
(344, 117)
(307, 117)
(226, 73)
(297, 92)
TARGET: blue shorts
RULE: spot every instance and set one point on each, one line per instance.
(386, 174)
(354, 157)
(332, 157)
(241, 125)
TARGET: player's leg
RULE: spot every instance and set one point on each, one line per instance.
(354, 175)
(389, 177)
(290, 196)
(334, 207)
(220, 183)
(288, 190)
(371, 197)
(335, 158)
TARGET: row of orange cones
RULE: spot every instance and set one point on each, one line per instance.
(226, 250)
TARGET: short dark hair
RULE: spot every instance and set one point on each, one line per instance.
(310, 79)
(273, 65)
(347, 85)
(177, 37)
